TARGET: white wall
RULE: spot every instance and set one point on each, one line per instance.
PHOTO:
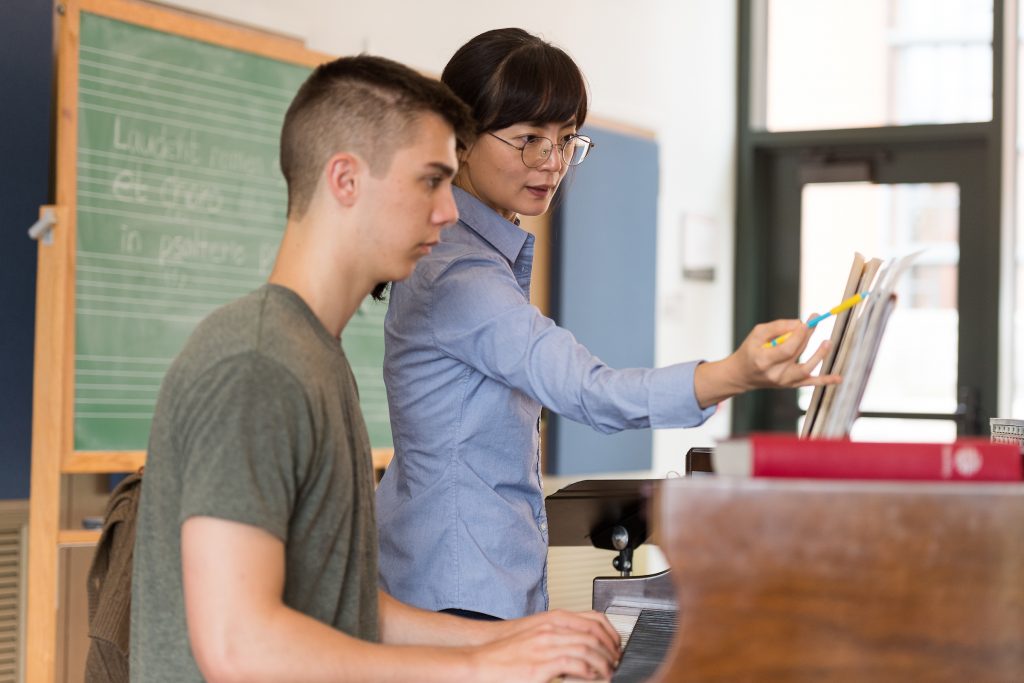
(665, 65)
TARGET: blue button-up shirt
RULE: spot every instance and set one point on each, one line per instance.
(468, 365)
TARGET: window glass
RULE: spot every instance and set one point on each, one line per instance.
(876, 63)
(916, 366)
(1017, 407)
(895, 430)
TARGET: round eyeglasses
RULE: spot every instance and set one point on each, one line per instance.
(538, 149)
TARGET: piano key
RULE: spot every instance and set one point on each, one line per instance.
(648, 644)
(622, 619)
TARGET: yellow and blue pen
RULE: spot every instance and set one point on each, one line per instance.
(849, 303)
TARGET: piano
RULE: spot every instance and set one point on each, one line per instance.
(801, 580)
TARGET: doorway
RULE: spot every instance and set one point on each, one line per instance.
(935, 373)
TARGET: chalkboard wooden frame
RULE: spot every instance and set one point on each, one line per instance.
(53, 441)
(159, 19)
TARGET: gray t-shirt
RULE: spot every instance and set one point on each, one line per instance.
(257, 422)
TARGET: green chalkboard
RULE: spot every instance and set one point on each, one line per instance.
(180, 208)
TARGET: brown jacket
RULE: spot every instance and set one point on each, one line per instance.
(110, 587)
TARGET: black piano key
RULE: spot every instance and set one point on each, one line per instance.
(647, 646)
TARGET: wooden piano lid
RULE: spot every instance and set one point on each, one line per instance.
(786, 580)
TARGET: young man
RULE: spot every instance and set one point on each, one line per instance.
(256, 553)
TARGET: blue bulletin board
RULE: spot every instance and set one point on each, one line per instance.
(603, 286)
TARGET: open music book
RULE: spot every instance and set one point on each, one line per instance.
(856, 337)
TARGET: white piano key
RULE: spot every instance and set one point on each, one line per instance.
(623, 620)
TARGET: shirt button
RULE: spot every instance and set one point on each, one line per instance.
(543, 526)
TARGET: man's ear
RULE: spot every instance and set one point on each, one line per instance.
(344, 174)
(462, 155)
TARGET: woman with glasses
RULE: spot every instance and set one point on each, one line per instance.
(469, 362)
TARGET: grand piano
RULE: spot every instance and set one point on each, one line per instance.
(800, 580)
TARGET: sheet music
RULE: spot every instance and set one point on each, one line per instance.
(853, 283)
(862, 348)
(856, 320)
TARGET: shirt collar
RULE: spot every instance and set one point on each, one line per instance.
(507, 237)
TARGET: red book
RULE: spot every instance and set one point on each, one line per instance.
(783, 455)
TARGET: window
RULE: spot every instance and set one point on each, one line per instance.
(877, 63)
(886, 221)
(872, 127)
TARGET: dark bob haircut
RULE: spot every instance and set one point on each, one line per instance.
(508, 75)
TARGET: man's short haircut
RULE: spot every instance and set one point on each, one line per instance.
(365, 105)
